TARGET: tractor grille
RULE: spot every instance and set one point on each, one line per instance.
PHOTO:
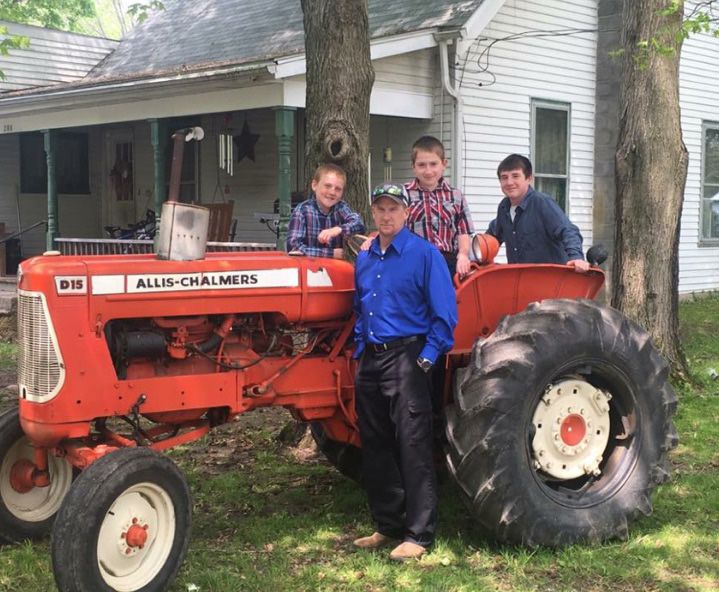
(40, 368)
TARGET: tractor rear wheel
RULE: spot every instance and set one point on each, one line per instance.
(124, 525)
(27, 512)
(561, 424)
(347, 459)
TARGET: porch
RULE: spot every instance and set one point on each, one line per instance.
(110, 175)
(100, 246)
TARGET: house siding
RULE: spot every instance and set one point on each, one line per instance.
(699, 88)
(413, 71)
(399, 134)
(52, 57)
(497, 103)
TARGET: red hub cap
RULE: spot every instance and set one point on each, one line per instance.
(21, 476)
(136, 536)
(573, 429)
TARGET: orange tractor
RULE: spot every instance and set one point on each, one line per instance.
(557, 410)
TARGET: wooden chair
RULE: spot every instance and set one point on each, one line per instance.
(220, 224)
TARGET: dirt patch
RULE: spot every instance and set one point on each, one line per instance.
(237, 444)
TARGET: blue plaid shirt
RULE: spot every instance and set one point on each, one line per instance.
(307, 221)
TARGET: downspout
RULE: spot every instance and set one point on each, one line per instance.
(457, 114)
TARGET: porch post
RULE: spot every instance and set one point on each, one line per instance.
(158, 153)
(284, 130)
(52, 221)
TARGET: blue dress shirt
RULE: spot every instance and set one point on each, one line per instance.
(540, 233)
(404, 292)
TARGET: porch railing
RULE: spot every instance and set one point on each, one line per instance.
(112, 246)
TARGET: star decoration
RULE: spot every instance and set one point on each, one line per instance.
(245, 143)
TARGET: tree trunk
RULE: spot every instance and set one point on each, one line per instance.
(651, 169)
(339, 82)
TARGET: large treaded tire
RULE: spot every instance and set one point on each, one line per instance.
(347, 459)
(490, 424)
(131, 488)
(28, 515)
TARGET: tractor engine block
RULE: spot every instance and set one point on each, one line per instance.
(166, 346)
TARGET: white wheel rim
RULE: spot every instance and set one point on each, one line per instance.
(40, 503)
(572, 429)
(124, 566)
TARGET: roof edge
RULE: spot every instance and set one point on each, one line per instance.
(481, 17)
(14, 24)
(380, 47)
(51, 96)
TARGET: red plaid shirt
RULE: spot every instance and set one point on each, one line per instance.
(440, 216)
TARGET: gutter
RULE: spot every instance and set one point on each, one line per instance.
(108, 88)
(458, 112)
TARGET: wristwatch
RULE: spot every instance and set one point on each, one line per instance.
(425, 364)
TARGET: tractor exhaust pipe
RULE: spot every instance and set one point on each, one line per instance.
(183, 227)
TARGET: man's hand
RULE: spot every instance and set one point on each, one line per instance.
(338, 253)
(463, 264)
(579, 265)
(328, 234)
(365, 245)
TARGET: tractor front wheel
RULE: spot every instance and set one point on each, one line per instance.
(27, 512)
(561, 425)
(124, 525)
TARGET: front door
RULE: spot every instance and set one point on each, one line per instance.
(119, 200)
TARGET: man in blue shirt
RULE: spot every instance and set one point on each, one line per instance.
(406, 311)
(531, 224)
(318, 224)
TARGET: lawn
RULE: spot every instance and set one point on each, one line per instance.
(265, 521)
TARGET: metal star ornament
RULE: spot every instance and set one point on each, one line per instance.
(245, 143)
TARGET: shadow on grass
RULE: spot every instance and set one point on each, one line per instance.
(283, 526)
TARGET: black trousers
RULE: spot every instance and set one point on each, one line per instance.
(395, 420)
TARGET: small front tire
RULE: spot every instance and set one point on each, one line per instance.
(27, 514)
(124, 525)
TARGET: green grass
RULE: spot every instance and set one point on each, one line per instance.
(264, 522)
(8, 354)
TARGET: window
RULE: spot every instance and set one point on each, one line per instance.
(550, 149)
(710, 183)
(71, 163)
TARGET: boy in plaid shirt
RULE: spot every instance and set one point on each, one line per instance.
(318, 224)
(438, 212)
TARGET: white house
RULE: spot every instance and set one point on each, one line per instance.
(488, 77)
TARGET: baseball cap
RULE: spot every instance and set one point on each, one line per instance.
(392, 190)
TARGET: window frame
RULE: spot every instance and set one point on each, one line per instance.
(556, 106)
(705, 241)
